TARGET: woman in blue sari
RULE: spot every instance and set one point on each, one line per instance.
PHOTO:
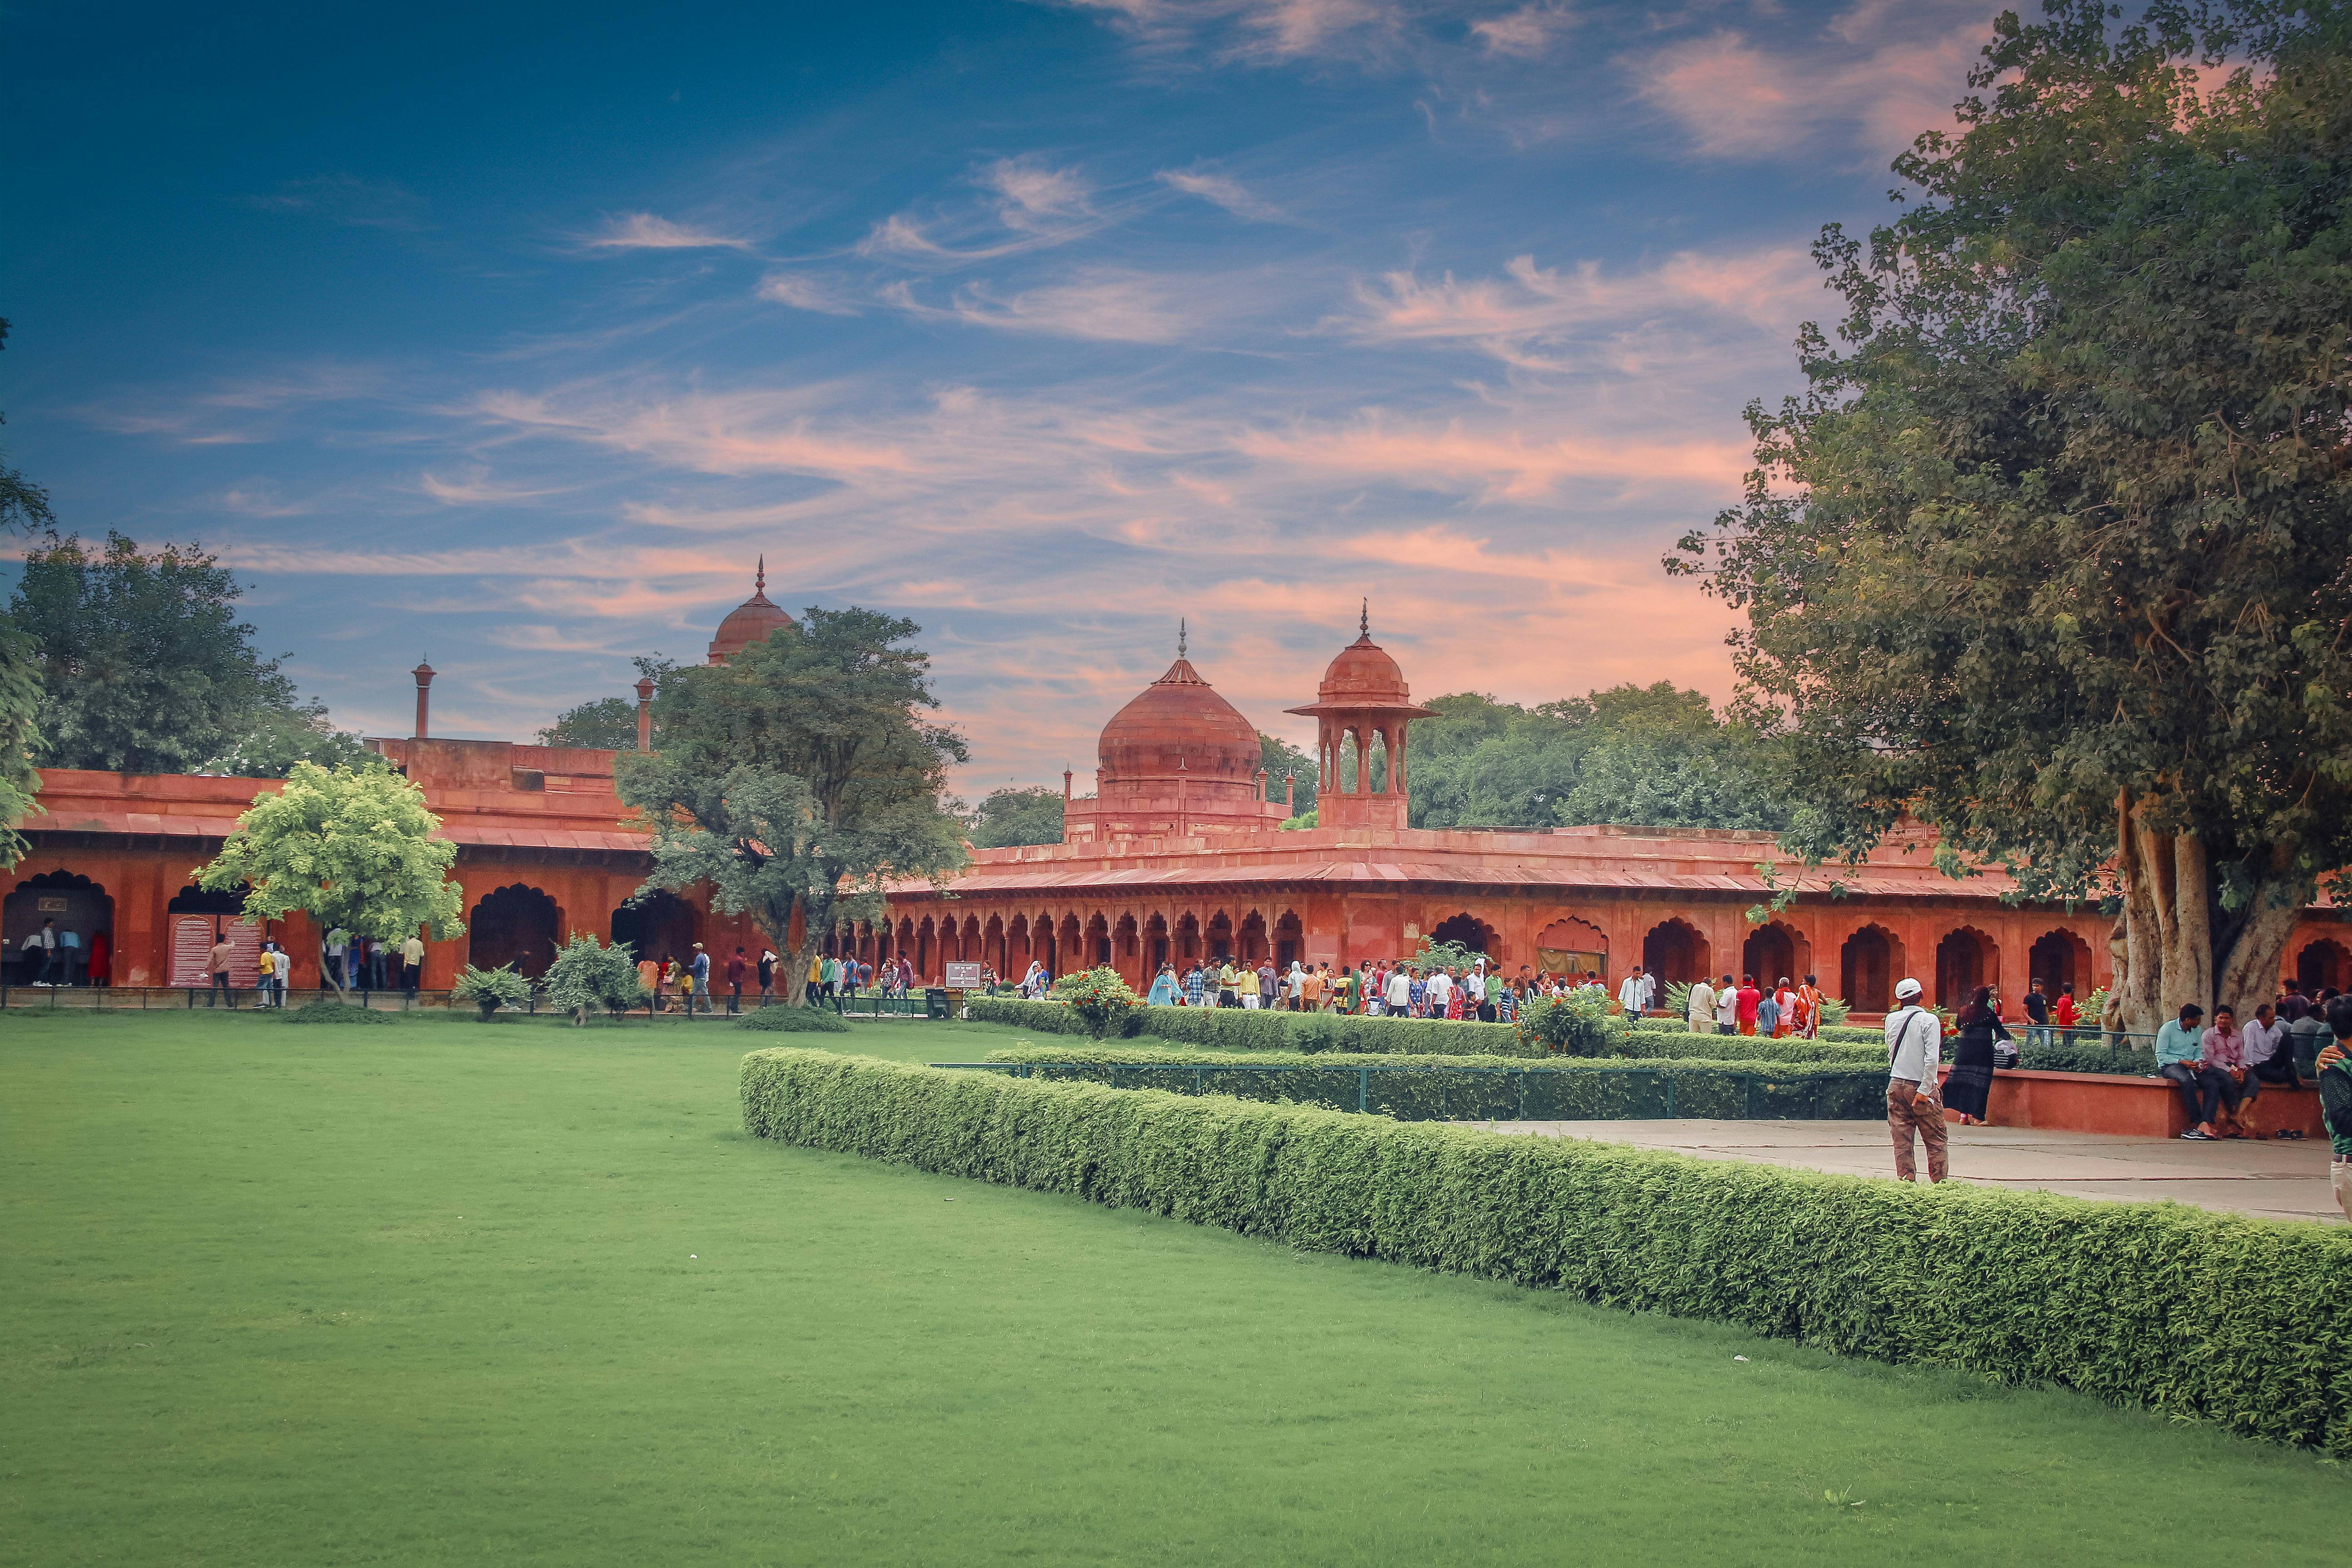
(1163, 989)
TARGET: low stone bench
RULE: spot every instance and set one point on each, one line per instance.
(2131, 1106)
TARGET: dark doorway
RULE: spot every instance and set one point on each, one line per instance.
(2059, 959)
(1675, 953)
(1866, 971)
(1963, 963)
(658, 926)
(77, 905)
(1769, 954)
(516, 925)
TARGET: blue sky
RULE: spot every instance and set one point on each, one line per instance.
(512, 336)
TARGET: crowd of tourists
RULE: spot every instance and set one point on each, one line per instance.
(1469, 993)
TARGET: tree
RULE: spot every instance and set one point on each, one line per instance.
(145, 667)
(609, 723)
(799, 778)
(1652, 756)
(2053, 555)
(278, 738)
(355, 848)
(587, 974)
(1010, 816)
(1282, 759)
(24, 508)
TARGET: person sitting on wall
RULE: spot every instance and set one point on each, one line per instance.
(2270, 1057)
(2222, 1047)
(2179, 1057)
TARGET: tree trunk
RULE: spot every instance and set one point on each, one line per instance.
(2167, 957)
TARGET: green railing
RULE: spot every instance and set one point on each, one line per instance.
(1582, 1092)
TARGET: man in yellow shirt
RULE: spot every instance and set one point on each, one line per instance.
(1245, 986)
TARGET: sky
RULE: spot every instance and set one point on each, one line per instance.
(512, 337)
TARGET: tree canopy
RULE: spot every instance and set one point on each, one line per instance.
(145, 668)
(2052, 554)
(1010, 816)
(799, 777)
(609, 723)
(1649, 756)
(1279, 758)
(24, 508)
(355, 848)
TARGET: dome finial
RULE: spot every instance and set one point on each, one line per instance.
(1364, 620)
(1181, 634)
(759, 582)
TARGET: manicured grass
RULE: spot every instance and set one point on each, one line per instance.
(449, 1292)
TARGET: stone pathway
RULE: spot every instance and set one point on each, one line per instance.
(2274, 1180)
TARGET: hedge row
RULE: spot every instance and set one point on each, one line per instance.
(1247, 1029)
(2243, 1321)
(1747, 1047)
(1479, 1089)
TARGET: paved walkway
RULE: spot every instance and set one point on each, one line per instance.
(2275, 1180)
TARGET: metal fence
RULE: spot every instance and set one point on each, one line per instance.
(1548, 1093)
(248, 998)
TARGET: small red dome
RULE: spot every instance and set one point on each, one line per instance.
(1178, 717)
(748, 621)
(1363, 673)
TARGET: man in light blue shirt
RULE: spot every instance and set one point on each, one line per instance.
(2179, 1057)
(700, 969)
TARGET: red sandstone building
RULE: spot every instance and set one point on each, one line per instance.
(1177, 854)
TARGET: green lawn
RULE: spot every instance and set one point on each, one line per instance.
(442, 1293)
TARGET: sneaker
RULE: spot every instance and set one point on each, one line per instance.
(2198, 1135)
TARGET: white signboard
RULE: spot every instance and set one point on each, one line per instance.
(964, 976)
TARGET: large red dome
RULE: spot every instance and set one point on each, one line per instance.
(1178, 717)
(748, 621)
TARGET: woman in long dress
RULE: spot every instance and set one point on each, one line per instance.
(1969, 1086)
(1163, 989)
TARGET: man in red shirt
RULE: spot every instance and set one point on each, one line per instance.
(2061, 1012)
(735, 968)
(1748, 997)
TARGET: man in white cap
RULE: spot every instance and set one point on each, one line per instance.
(1915, 1044)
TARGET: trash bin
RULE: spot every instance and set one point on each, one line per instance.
(935, 1002)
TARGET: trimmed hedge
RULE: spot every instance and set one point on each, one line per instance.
(1480, 1089)
(1748, 1048)
(1842, 1034)
(1247, 1029)
(2245, 1322)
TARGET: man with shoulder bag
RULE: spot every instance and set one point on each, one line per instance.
(1915, 1045)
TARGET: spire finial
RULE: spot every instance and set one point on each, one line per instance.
(759, 582)
(1364, 620)
(1182, 632)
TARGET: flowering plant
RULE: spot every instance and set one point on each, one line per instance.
(1100, 997)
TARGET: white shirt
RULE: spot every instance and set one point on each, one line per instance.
(2260, 1043)
(1400, 989)
(1441, 986)
(1915, 1044)
(1726, 1006)
(1630, 996)
(1474, 983)
(1649, 992)
(1702, 1004)
(414, 951)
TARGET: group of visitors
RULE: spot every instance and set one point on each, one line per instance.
(1784, 1012)
(1392, 988)
(52, 957)
(365, 964)
(2220, 1067)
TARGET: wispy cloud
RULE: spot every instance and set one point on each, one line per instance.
(1034, 193)
(1528, 32)
(350, 200)
(1107, 306)
(646, 231)
(1876, 77)
(1222, 191)
(804, 291)
(476, 487)
(1256, 32)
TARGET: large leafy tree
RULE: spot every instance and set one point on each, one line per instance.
(1284, 762)
(24, 508)
(799, 777)
(355, 847)
(2053, 555)
(1654, 756)
(145, 668)
(1014, 815)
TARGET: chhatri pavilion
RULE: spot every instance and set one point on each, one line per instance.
(1179, 853)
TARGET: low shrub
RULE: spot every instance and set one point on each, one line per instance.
(587, 975)
(1647, 1043)
(1480, 1089)
(332, 1012)
(1245, 1029)
(2245, 1322)
(1848, 1034)
(792, 1021)
(1577, 1025)
(2085, 1055)
(491, 989)
(1100, 999)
